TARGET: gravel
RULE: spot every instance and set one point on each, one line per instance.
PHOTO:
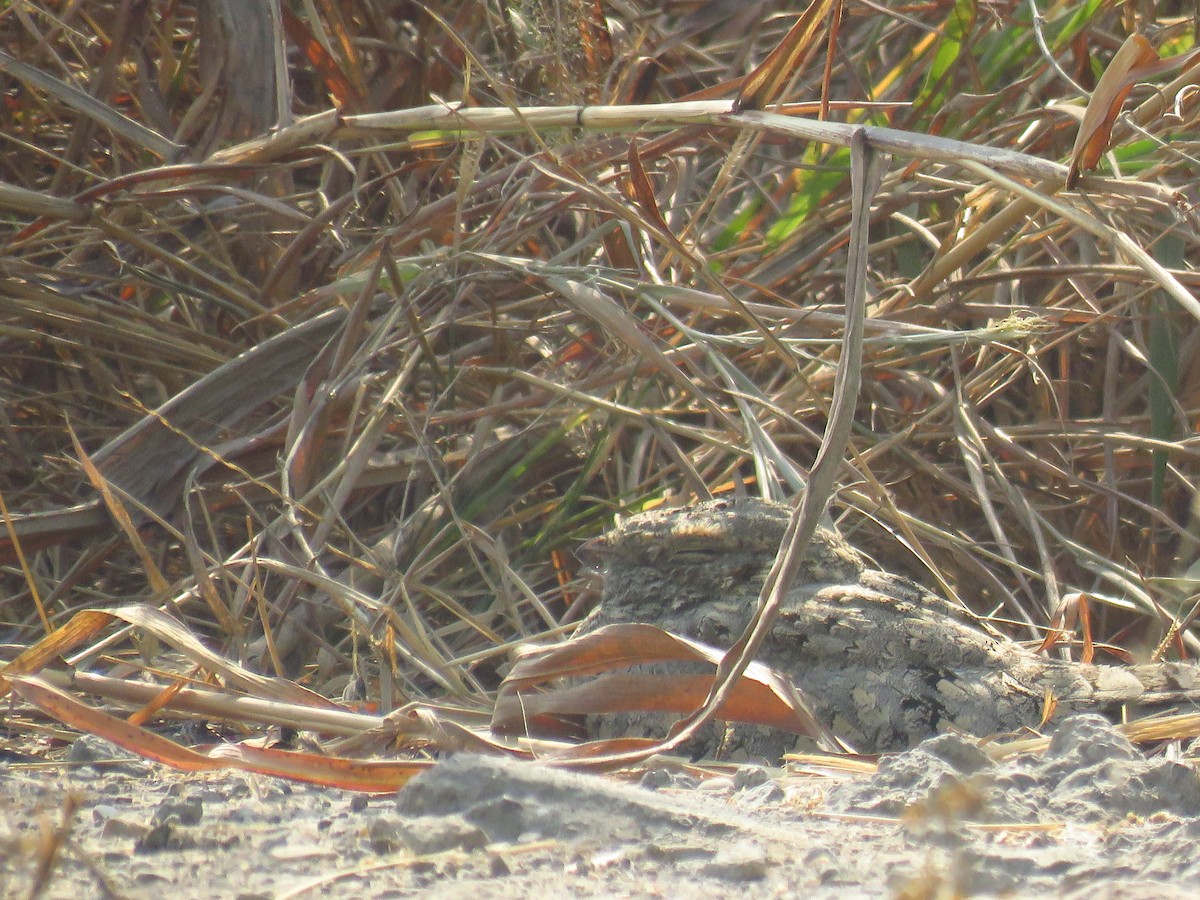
(1092, 817)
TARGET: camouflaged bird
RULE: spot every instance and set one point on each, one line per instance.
(884, 661)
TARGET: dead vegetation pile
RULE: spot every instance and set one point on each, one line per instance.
(333, 329)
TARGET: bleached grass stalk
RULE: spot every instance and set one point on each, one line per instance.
(452, 121)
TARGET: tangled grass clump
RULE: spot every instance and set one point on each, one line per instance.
(361, 344)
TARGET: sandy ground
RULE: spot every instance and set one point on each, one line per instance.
(1093, 817)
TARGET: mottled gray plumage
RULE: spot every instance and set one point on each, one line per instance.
(884, 661)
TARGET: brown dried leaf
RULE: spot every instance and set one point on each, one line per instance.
(763, 84)
(596, 43)
(82, 626)
(344, 773)
(1114, 86)
(1074, 609)
(762, 697)
(120, 515)
(643, 190)
(344, 93)
(137, 740)
(1049, 707)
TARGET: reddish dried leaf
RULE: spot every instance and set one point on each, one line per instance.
(164, 698)
(343, 92)
(1049, 706)
(1073, 610)
(1085, 627)
(763, 84)
(643, 190)
(137, 740)
(596, 43)
(373, 776)
(120, 515)
(347, 774)
(1135, 61)
(761, 697)
(755, 700)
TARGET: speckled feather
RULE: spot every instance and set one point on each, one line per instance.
(884, 661)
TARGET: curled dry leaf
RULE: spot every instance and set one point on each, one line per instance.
(1074, 609)
(1114, 86)
(1137, 60)
(341, 772)
(762, 697)
(763, 85)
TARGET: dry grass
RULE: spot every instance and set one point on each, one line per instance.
(475, 339)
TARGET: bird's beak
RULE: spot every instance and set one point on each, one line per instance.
(594, 553)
